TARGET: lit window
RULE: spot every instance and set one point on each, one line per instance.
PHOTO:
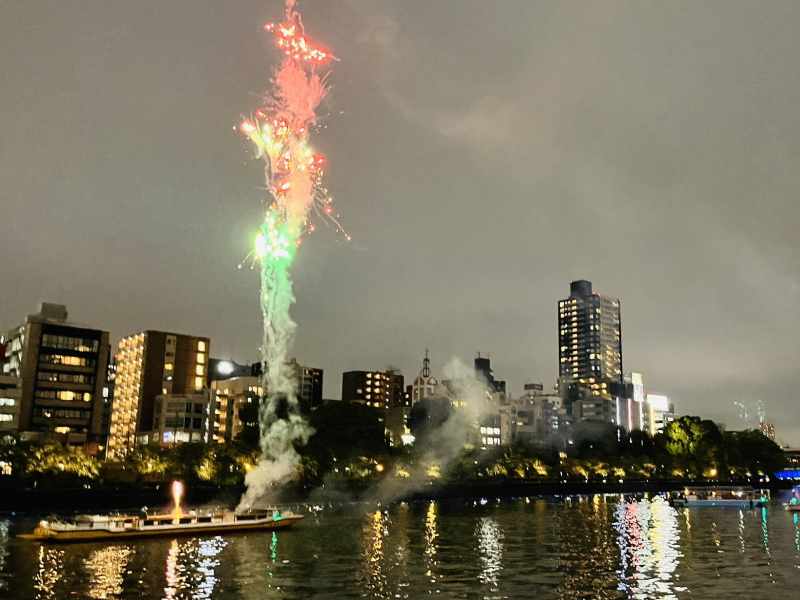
(198, 383)
(201, 358)
(201, 346)
(168, 367)
(199, 370)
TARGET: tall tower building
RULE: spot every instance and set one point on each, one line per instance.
(61, 369)
(151, 364)
(589, 335)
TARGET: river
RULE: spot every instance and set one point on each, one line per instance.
(602, 546)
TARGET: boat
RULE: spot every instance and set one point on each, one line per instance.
(727, 496)
(794, 503)
(101, 527)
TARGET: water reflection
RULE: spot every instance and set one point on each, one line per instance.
(191, 568)
(372, 576)
(490, 551)
(431, 545)
(51, 570)
(3, 553)
(106, 569)
(589, 556)
(649, 544)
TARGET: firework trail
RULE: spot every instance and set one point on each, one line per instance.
(293, 174)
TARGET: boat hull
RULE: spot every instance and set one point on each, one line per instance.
(160, 531)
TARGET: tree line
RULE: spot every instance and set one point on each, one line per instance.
(349, 448)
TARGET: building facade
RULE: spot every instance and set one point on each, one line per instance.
(180, 418)
(373, 388)
(425, 385)
(61, 370)
(230, 395)
(151, 364)
(10, 396)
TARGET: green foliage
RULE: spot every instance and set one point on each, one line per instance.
(50, 461)
(752, 452)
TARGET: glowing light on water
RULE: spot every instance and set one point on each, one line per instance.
(649, 543)
(51, 570)
(279, 132)
(373, 577)
(106, 568)
(431, 546)
(490, 551)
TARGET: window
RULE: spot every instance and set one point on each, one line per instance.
(199, 370)
(201, 358)
(198, 408)
(201, 346)
(196, 423)
(5, 418)
(198, 383)
(168, 367)
(7, 402)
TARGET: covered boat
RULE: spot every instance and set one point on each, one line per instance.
(99, 527)
(732, 496)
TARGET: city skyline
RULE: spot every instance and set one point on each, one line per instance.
(661, 169)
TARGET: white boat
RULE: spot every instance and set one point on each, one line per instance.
(721, 496)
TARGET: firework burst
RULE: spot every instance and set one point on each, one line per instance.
(280, 132)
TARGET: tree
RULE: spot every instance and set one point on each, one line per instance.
(751, 452)
(60, 464)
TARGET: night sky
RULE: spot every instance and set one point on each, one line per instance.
(481, 154)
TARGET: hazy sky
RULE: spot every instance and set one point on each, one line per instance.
(482, 154)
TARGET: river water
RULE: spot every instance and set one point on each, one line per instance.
(600, 546)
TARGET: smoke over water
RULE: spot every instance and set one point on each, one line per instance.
(280, 131)
(445, 441)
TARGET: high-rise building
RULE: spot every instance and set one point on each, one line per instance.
(61, 368)
(590, 337)
(151, 364)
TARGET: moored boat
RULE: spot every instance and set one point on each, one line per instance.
(99, 527)
(730, 496)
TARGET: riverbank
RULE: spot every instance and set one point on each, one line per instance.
(105, 498)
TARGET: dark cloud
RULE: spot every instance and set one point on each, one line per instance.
(482, 154)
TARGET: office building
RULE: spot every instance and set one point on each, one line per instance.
(151, 364)
(659, 413)
(590, 336)
(61, 369)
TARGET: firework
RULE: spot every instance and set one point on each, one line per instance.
(280, 132)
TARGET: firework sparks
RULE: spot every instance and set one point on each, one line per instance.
(280, 132)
